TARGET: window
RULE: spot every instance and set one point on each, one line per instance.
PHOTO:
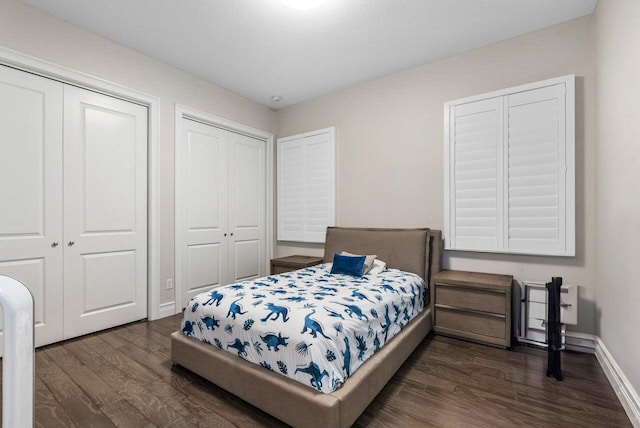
(306, 186)
(510, 170)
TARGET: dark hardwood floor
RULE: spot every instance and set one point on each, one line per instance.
(124, 377)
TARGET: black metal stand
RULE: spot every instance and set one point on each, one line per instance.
(554, 330)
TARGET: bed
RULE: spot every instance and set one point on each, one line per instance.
(412, 250)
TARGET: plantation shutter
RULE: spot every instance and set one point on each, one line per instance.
(291, 191)
(306, 186)
(536, 170)
(510, 170)
(477, 131)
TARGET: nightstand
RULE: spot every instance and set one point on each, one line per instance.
(287, 264)
(474, 306)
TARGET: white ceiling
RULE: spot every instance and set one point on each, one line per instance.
(261, 48)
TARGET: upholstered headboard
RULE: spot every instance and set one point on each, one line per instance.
(413, 250)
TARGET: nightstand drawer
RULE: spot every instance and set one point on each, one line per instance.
(470, 298)
(470, 322)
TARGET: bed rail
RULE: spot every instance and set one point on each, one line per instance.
(18, 362)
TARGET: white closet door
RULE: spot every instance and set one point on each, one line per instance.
(203, 156)
(246, 208)
(31, 194)
(105, 206)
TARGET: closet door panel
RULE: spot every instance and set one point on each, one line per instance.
(247, 186)
(31, 194)
(105, 205)
(203, 156)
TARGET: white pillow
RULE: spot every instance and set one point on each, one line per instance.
(378, 267)
(368, 261)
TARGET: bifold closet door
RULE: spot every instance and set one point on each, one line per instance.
(246, 208)
(203, 250)
(31, 247)
(105, 211)
(222, 226)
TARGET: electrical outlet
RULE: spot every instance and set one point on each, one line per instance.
(169, 283)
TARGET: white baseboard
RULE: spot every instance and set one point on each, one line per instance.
(624, 390)
(166, 310)
(573, 341)
(581, 342)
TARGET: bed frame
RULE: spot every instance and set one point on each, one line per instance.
(413, 250)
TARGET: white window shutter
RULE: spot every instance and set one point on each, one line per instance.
(291, 191)
(536, 171)
(306, 186)
(510, 170)
(476, 131)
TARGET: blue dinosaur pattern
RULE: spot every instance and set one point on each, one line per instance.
(274, 341)
(235, 309)
(313, 370)
(214, 297)
(334, 322)
(313, 326)
(240, 347)
(211, 323)
(275, 312)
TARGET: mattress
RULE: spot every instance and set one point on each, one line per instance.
(309, 325)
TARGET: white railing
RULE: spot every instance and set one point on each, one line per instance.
(18, 362)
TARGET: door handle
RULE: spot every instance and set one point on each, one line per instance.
(225, 234)
(71, 243)
(54, 244)
(231, 233)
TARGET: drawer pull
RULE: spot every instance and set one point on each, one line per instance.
(470, 311)
(565, 305)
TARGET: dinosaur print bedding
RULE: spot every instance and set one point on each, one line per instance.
(309, 325)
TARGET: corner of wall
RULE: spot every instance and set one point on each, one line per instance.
(627, 395)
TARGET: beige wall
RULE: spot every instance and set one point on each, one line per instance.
(30, 31)
(389, 135)
(618, 182)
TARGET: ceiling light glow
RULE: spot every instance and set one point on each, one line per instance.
(303, 4)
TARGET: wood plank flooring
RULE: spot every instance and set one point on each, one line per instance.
(124, 377)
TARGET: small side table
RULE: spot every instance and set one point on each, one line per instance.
(473, 306)
(289, 263)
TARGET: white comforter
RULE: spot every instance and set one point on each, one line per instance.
(309, 325)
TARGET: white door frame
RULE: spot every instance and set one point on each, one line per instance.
(183, 112)
(20, 61)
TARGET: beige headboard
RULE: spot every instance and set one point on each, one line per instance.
(413, 250)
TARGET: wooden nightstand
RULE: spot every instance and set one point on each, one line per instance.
(287, 264)
(474, 306)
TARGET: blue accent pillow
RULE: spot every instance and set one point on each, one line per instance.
(348, 265)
